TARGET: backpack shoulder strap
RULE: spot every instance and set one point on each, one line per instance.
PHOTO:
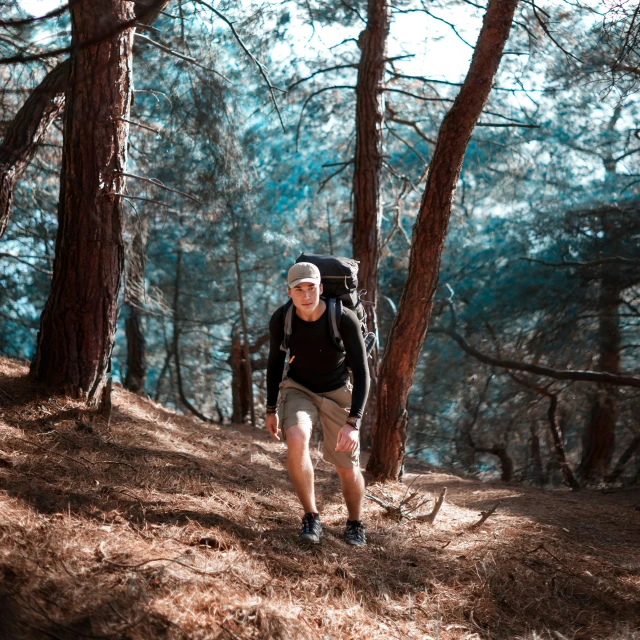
(335, 316)
(288, 322)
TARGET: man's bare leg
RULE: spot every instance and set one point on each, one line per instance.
(352, 489)
(300, 466)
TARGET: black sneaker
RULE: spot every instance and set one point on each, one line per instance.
(311, 530)
(354, 533)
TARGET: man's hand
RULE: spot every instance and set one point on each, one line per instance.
(271, 422)
(347, 439)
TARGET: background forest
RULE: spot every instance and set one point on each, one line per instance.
(241, 154)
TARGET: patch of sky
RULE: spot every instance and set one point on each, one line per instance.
(40, 7)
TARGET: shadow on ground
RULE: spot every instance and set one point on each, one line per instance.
(158, 525)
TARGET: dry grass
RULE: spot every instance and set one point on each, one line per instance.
(163, 527)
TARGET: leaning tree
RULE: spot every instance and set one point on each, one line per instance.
(410, 325)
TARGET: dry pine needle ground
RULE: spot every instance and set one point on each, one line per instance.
(160, 526)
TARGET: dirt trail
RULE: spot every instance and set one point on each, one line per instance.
(161, 526)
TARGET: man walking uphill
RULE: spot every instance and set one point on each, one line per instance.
(317, 389)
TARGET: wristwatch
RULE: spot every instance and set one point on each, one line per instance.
(354, 422)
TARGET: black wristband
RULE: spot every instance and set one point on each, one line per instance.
(272, 408)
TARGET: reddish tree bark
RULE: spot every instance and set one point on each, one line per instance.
(240, 392)
(78, 323)
(134, 295)
(409, 328)
(25, 133)
(366, 175)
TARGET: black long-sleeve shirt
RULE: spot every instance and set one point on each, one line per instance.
(318, 364)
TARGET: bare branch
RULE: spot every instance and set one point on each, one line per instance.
(319, 71)
(139, 124)
(557, 374)
(448, 83)
(415, 95)
(158, 202)
(508, 124)
(338, 171)
(25, 21)
(28, 264)
(545, 28)
(407, 144)
(157, 183)
(592, 263)
(179, 55)
(391, 115)
(449, 24)
(309, 98)
(261, 67)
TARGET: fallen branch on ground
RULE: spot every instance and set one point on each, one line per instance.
(409, 504)
(430, 517)
(485, 515)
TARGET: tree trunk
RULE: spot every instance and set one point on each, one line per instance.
(240, 391)
(627, 454)
(506, 463)
(243, 322)
(558, 442)
(176, 340)
(30, 125)
(134, 296)
(26, 131)
(598, 442)
(410, 325)
(537, 474)
(79, 319)
(366, 177)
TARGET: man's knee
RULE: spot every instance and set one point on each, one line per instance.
(350, 476)
(298, 436)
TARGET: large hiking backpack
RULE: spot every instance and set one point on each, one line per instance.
(339, 289)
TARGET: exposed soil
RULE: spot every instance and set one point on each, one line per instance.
(161, 526)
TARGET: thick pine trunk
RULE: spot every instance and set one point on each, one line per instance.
(134, 295)
(599, 435)
(79, 320)
(366, 176)
(410, 325)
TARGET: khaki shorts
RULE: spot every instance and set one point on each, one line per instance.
(298, 405)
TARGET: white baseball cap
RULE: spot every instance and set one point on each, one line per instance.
(303, 272)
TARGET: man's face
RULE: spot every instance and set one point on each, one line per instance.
(306, 296)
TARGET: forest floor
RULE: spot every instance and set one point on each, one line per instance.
(162, 526)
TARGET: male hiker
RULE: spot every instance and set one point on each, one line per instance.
(318, 389)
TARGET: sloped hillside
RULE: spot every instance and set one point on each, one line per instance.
(161, 526)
